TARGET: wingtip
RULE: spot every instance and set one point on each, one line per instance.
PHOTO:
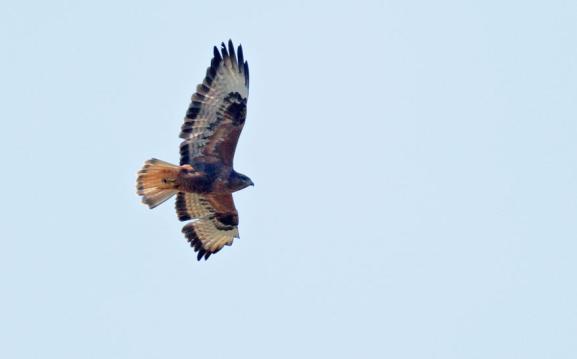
(223, 50)
(240, 55)
(232, 54)
(246, 74)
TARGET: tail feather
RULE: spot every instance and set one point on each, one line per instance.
(156, 182)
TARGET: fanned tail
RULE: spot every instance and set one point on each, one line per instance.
(156, 182)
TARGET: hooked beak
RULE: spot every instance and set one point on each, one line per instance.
(251, 183)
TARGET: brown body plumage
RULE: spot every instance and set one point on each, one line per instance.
(205, 180)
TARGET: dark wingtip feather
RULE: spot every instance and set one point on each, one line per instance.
(216, 53)
(223, 50)
(214, 64)
(211, 71)
(195, 242)
(232, 54)
(240, 59)
(200, 254)
(246, 76)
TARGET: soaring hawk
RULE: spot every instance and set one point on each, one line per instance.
(205, 180)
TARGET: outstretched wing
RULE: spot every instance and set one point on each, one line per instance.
(214, 221)
(217, 112)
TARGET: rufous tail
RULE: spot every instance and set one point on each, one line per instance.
(156, 182)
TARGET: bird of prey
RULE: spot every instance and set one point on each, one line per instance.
(205, 180)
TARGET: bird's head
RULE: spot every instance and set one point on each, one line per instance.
(239, 181)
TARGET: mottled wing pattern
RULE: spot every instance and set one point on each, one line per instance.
(217, 111)
(214, 221)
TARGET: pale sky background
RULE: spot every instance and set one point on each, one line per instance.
(415, 170)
